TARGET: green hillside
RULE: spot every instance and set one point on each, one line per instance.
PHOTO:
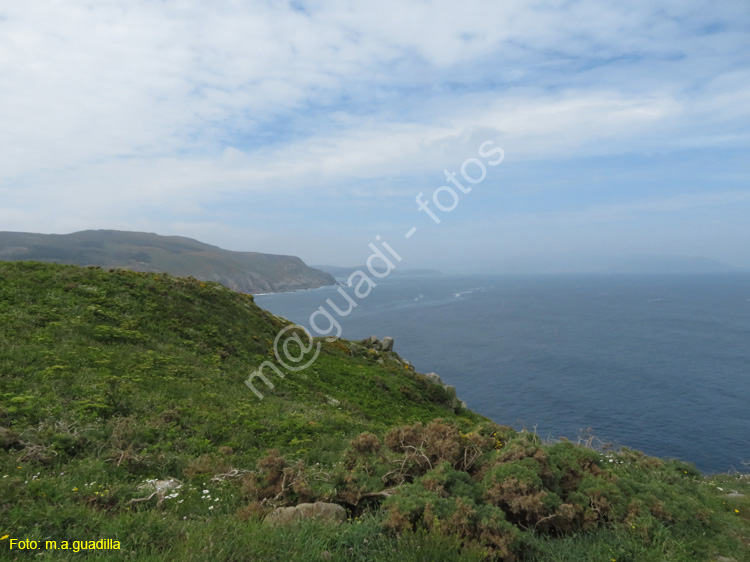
(247, 272)
(113, 380)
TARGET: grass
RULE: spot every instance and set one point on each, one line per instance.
(109, 379)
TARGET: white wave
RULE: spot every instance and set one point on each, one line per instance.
(468, 292)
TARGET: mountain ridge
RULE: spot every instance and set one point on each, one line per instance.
(246, 272)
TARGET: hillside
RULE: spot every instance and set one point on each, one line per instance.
(123, 416)
(246, 272)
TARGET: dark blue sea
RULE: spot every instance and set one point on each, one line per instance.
(656, 363)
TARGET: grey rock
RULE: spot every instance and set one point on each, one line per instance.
(453, 400)
(386, 344)
(434, 377)
(282, 516)
(319, 510)
(735, 495)
(332, 512)
(451, 391)
(371, 341)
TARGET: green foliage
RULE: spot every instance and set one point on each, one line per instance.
(112, 380)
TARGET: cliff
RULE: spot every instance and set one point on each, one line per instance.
(245, 272)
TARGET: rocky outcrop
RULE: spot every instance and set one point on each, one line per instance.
(435, 378)
(451, 390)
(386, 344)
(322, 511)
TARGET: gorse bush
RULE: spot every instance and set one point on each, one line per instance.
(417, 477)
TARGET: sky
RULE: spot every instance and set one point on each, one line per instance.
(311, 128)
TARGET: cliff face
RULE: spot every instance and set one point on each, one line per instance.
(246, 272)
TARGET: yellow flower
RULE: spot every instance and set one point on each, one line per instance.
(736, 510)
(75, 489)
(4, 537)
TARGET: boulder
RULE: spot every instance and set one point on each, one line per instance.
(323, 511)
(331, 512)
(386, 344)
(434, 377)
(371, 341)
(282, 516)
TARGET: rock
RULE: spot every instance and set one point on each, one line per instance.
(434, 377)
(451, 391)
(282, 516)
(332, 512)
(323, 511)
(453, 400)
(371, 341)
(158, 488)
(725, 559)
(386, 344)
(161, 486)
(735, 495)
(380, 360)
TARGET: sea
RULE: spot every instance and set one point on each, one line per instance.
(660, 364)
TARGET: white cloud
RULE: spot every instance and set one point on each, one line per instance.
(111, 109)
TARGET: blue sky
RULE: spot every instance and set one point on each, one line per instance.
(308, 128)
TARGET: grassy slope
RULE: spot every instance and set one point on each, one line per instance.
(111, 378)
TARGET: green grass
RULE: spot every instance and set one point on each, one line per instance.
(111, 378)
